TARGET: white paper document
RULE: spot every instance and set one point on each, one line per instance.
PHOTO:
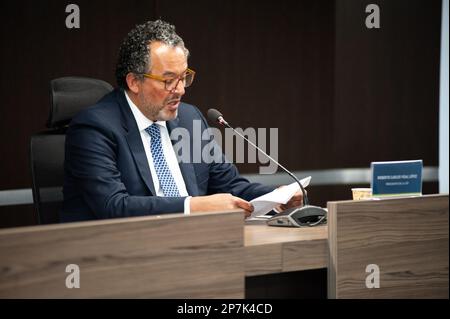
(265, 203)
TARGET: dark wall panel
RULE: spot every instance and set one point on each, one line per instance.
(340, 94)
(37, 47)
(309, 68)
(264, 64)
(386, 83)
(17, 216)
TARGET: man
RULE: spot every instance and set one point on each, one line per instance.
(119, 158)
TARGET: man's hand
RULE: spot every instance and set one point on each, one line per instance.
(296, 200)
(219, 202)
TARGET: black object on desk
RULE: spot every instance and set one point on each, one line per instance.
(300, 217)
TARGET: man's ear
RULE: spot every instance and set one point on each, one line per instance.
(133, 83)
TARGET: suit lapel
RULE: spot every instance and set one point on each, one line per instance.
(187, 169)
(137, 149)
(134, 140)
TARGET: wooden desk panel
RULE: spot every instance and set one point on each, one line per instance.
(263, 259)
(270, 249)
(406, 237)
(198, 256)
(207, 255)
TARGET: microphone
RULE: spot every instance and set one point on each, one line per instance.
(307, 210)
(215, 116)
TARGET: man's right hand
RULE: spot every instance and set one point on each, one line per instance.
(219, 202)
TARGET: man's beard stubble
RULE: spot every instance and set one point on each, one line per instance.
(157, 113)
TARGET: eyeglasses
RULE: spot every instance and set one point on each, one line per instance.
(170, 84)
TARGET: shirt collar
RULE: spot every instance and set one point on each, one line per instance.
(141, 120)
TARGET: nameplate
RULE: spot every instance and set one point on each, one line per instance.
(397, 178)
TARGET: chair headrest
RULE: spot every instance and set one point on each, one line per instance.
(69, 95)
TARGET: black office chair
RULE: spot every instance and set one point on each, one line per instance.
(68, 95)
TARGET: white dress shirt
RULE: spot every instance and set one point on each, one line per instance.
(169, 153)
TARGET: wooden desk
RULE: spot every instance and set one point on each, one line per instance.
(172, 256)
(142, 257)
(406, 238)
(271, 249)
(210, 255)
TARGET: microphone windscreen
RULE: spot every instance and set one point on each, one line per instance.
(213, 115)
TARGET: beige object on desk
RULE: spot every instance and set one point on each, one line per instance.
(361, 193)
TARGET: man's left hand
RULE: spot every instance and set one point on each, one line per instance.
(296, 200)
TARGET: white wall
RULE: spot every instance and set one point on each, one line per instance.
(443, 109)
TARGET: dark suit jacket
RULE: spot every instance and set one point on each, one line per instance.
(107, 173)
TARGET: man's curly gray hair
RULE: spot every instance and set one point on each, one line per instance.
(134, 53)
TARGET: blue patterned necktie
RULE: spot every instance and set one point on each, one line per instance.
(166, 180)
